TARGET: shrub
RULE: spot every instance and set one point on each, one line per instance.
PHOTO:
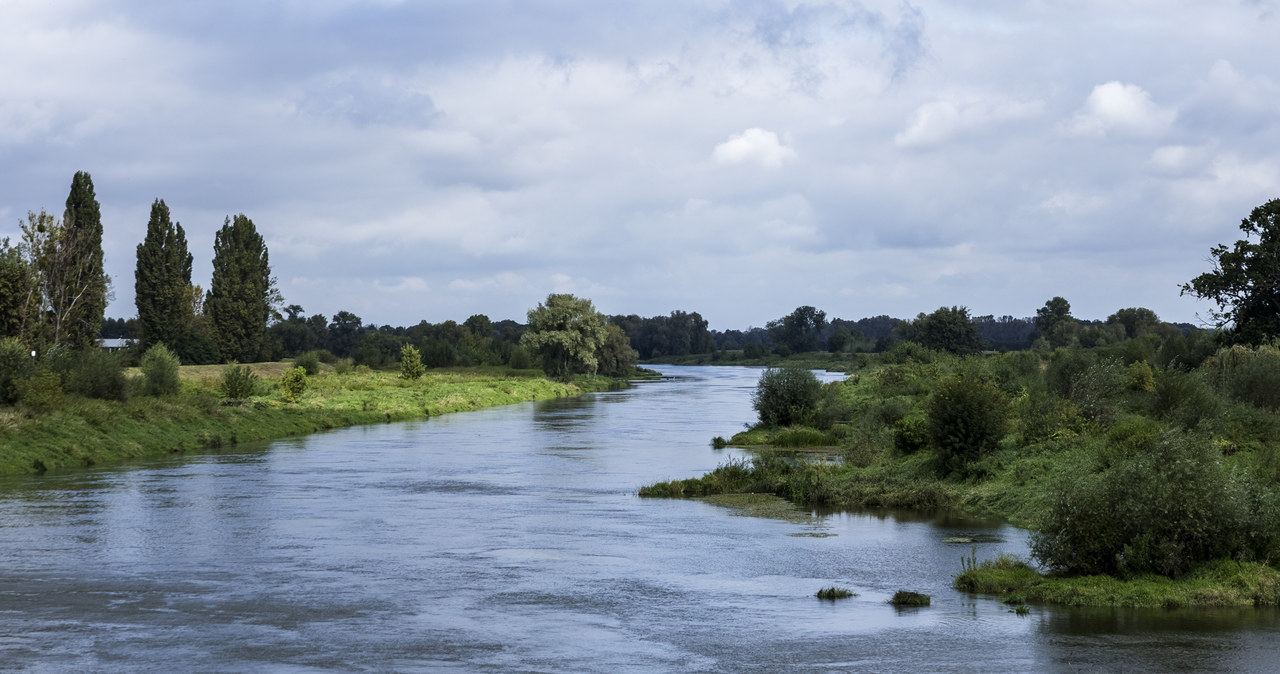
(1186, 398)
(308, 361)
(786, 396)
(966, 419)
(159, 371)
(1162, 511)
(16, 365)
(293, 383)
(754, 350)
(98, 374)
(238, 382)
(520, 359)
(411, 366)
(1139, 377)
(343, 366)
(1251, 375)
(42, 391)
(910, 435)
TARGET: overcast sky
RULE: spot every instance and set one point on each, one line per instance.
(432, 160)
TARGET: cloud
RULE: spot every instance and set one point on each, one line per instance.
(1120, 109)
(753, 146)
(938, 121)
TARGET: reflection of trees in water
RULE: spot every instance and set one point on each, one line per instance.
(1158, 639)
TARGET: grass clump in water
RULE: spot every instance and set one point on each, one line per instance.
(909, 598)
(833, 593)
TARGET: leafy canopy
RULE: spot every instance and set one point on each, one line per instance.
(1244, 280)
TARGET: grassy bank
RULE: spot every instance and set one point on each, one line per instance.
(1139, 474)
(86, 432)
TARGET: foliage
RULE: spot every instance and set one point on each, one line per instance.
(411, 366)
(798, 331)
(567, 333)
(616, 357)
(1244, 280)
(910, 435)
(1140, 377)
(1161, 511)
(948, 329)
(68, 287)
(238, 382)
(309, 361)
(242, 291)
(16, 365)
(966, 418)
(42, 392)
(786, 396)
(17, 287)
(1251, 375)
(833, 593)
(1055, 323)
(909, 598)
(98, 374)
(162, 281)
(160, 371)
(293, 383)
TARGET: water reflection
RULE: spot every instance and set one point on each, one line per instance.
(512, 539)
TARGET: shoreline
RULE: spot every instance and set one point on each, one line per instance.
(86, 432)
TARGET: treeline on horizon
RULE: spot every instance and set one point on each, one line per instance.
(53, 293)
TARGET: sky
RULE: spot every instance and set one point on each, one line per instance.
(430, 160)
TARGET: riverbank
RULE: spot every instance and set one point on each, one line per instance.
(87, 432)
(1139, 479)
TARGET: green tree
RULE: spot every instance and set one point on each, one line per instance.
(786, 396)
(411, 366)
(567, 333)
(1055, 322)
(617, 358)
(948, 330)
(78, 288)
(162, 281)
(1137, 321)
(1244, 281)
(799, 330)
(17, 286)
(241, 292)
(966, 419)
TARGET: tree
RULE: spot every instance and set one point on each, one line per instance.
(616, 357)
(568, 333)
(1244, 281)
(162, 281)
(16, 288)
(241, 292)
(1137, 321)
(1055, 322)
(78, 290)
(799, 330)
(345, 333)
(948, 330)
(786, 396)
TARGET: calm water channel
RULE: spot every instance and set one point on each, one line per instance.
(511, 539)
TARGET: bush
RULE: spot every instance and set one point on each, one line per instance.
(343, 366)
(159, 371)
(42, 391)
(308, 361)
(238, 382)
(520, 359)
(16, 365)
(910, 435)
(786, 396)
(293, 383)
(1186, 399)
(411, 366)
(966, 419)
(1139, 377)
(98, 374)
(1251, 375)
(1162, 511)
(754, 350)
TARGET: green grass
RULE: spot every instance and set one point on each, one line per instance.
(1223, 583)
(87, 432)
(833, 593)
(909, 598)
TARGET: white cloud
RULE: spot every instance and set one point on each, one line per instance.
(1119, 108)
(753, 146)
(938, 121)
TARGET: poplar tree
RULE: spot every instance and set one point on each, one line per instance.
(241, 292)
(162, 281)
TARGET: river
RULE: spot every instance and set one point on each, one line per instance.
(511, 539)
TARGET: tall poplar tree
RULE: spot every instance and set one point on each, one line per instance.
(79, 295)
(241, 292)
(162, 281)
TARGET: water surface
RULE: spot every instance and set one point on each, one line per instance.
(511, 539)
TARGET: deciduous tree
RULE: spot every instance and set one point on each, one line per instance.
(568, 333)
(241, 292)
(1244, 281)
(162, 281)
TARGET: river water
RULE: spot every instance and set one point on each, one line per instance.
(511, 539)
